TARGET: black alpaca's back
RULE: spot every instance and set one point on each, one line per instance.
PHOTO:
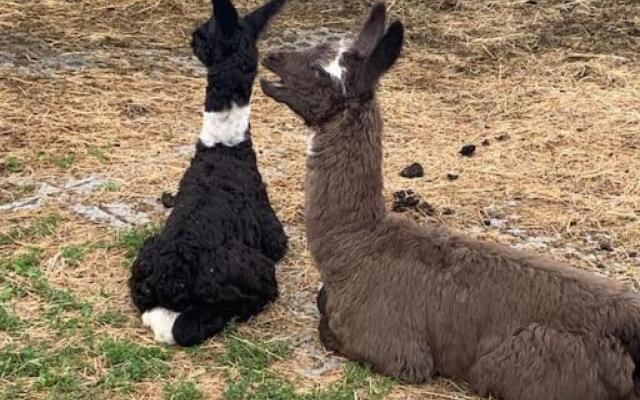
(214, 261)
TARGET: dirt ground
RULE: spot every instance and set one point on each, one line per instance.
(100, 107)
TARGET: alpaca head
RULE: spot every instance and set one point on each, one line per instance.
(226, 45)
(319, 83)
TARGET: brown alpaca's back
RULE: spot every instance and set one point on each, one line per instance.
(415, 302)
(522, 327)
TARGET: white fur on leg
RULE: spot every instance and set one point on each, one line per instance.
(228, 127)
(161, 321)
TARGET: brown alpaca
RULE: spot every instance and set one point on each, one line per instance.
(415, 302)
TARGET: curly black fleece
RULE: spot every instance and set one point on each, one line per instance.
(214, 260)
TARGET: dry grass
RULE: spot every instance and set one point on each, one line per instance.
(559, 78)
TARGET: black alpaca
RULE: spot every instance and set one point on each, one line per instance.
(214, 261)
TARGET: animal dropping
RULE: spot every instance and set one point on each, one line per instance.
(168, 200)
(414, 170)
(468, 150)
(404, 200)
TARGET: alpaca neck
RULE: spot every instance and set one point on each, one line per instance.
(228, 127)
(344, 182)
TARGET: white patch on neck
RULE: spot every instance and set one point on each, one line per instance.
(161, 321)
(228, 127)
(334, 68)
(310, 137)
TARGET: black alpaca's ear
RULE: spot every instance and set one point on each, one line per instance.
(259, 18)
(372, 30)
(226, 16)
(382, 59)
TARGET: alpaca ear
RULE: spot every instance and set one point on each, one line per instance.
(372, 30)
(382, 59)
(226, 15)
(259, 18)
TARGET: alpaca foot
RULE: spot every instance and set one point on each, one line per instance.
(161, 321)
(418, 370)
(328, 339)
(195, 326)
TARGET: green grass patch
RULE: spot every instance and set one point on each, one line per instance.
(47, 225)
(13, 165)
(244, 354)
(22, 363)
(99, 154)
(129, 362)
(133, 239)
(63, 162)
(6, 291)
(73, 254)
(111, 187)
(182, 391)
(61, 386)
(249, 377)
(35, 369)
(168, 136)
(9, 321)
(26, 264)
(67, 326)
(42, 227)
(357, 379)
(112, 318)
(59, 300)
(358, 383)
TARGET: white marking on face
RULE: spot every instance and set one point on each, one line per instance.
(310, 137)
(334, 68)
(228, 127)
(161, 321)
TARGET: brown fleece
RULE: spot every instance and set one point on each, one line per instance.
(414, 301)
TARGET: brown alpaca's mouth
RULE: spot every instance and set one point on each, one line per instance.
(273, 62)
(273, 88)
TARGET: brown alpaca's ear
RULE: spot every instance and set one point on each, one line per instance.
(226, 15)
(382, 59)
(372, 30)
